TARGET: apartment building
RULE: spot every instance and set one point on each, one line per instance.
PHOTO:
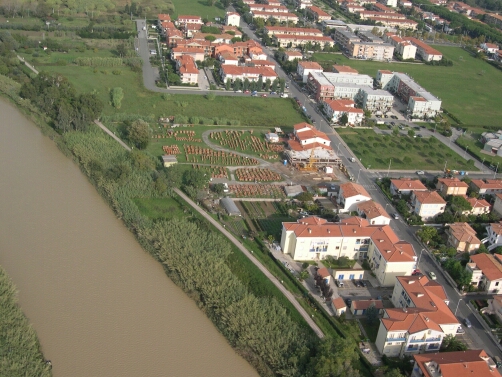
(320, 86)
(405, 186)
(427, 204)
(284, 30)
(231, 72)
(373, 212)
(313, 238)
(318, 14)
(389, 3)
(186, 19)
(268, 8)
(486, 186)
(371, 50)
(304, 68)
(187, 69)
(451, 186)
(334, 109)
(279, 16)
(232, 18)
(344, 38)
(426, 52)
(486, 272)
(383, 7)
(302, 4)
(403, 48)
(196, 53)
(479, 207)
(420, 320)
(395, 22)
(463, 238)
(292, 55)
(371, 14)
(350, 195)
(375, 99)
(291, 41)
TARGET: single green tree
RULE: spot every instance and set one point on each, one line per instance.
(116, 96)
(138, 133)
(344, 119)
(451, 344)
(372, 314)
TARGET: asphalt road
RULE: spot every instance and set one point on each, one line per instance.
(479, 338)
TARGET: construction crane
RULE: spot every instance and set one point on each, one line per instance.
(311, 164)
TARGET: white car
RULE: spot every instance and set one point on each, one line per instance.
(153, 52)
(432, 275)
(420, 172)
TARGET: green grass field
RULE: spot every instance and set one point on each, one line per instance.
(469, 89)
(198, 8)
(377, 150)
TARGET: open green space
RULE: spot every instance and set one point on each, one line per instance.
(475, 148)
(469, 89)
(371, 329)
(376, 150)
(161, 208)
(198, 8)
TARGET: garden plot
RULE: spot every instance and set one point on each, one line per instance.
(194, 153)
(257, 191)
(245, 141)
(266, 217)
(257, 175)
(215, 171)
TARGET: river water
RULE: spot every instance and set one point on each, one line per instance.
(101, 305)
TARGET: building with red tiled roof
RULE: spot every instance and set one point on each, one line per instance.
(335, 108)
(452, 186)
(268, 8)
(350, 196)
(462, 237)
(494, 237)
(292, 55)
(420, 320)
(186, 19)
(354, 238)
(486, 186)
(305, 67)
(339, 306)
(344, 69)
(163, 17)
(426, 52)
(196, 53)
(405, 186)
(279, 16)
(187, 69)
(285, 30)
(486, 272)
(231, 72)
(286, 40)
(359, 307)
(427, 204)
(479, 207)
(319, 14)
(470, 363)
(373, 212)
(308, 135)
(232, 18)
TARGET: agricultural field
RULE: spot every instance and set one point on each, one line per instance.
(257, 191)
(467, 88)
(248, 142)
(266, 217)
(257, 175)
(376, 150)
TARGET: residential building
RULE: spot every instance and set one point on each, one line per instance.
(231, 72)
(196, 53)
(338, 306)
(494, 237)
(187, 69)
(463, 238)
(292, 55)
(303, 4)
(344, 69)
(352, 7)
(405, 3)
(479, 207)
(319, 14)
(489, 48)
(334, 109)
(420, 320)
(279, 16)
(232, 18)
(383, 6)
(486, 272)
(313, 238)
(371, 50)
(291, 40)
(486, 186)
(304, 68)
(268, 8)
(497, 205)
(185, 19)
(427, 204)
(350, 195)
(394, 22)
(368, 36)
(249, 2)
(373, 212)
(495, 304)
(308, 136)
(455, 364)
(284, 30)
(344, 38)
(494, 19)
(228, 59)
(324, 274)
(218, 38)
(426, 52)
(372, 14)
(405, 186)
(359, 307)
(452, 186)
(322, 88)
(405, 49)
(375, 99)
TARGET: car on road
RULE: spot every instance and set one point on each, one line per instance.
(356, 283)
(432, 275)
(416, 272)
(284, 95)
(460, 330)
(264, 95)
(395, 216)
(238, 91)
(420, 135)
(247, 91)
(273, 93)
(468, 323)
(153, 52)
(348, 301)
(420, 172)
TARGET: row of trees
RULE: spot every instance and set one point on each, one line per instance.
(277, 85)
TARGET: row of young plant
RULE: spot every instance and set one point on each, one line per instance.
(259, 328)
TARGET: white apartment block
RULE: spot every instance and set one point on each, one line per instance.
(284, 30)
(375, 99)
(389, 3)
(350, 195)
(334, 109)
(371, 50)
(291, 40)
(302, 4)
(486, 272)
(279, 16)
(494, 238)
(427, 204)
(232, 18)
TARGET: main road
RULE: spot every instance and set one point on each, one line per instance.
(480, 339)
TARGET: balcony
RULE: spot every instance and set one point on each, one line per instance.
(395, 339)
(433, 339)
(433, 347)
(417, 341)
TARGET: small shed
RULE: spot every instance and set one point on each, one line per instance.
(229, 206)
(324, 273)
(338, 306)
(272, 137)
(359, 307)
(169, 160)
(292, 191)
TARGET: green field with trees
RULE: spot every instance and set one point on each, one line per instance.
(467, 88)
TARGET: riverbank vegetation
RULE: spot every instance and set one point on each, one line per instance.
(20, 353)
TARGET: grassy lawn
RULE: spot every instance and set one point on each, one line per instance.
(406, 153)
(371, 330)
(468, 88)
(198, 8)
(474, 147)
(161, 208)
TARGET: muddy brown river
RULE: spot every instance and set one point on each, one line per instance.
(101, 306)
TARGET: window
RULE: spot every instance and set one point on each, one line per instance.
(497, 284)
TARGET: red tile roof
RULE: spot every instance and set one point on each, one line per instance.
(479, 203)
(235, 70)
(344, 69)
(453, 182)
(305, 131)
(424, 46)
(428, 197)
(338, 303)
(372, 209)
(310, 65)
(343, 105)
(491, 268)
(463, 232)
(351, 189)
(497, 228)
(408, 184)
(365, 304)
(323, 272)
(319, 11)
(488, 184)
(164, 17)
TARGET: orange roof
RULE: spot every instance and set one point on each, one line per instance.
(293, 53)
(457, 364)
(464, 233)
(491, 45)
(296, 146)
(428, 197)
(304, 131)
(188, 50)
(319, 11)
(490, 267)
(385, 71)
(344, 69)
(188, 17)
(293, 30)
(275, 14)
(453, 182)
(478, 203)
(310, 65)
(365, 304)
(343, 105)
(164, 17)
(338, 303)
(235, 70)
(323, 272)
(372, 209)
(351, 189)
(408, 184)
(488, 184)
(424, 46)
(187, 64)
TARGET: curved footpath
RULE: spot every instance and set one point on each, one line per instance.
(234, 240)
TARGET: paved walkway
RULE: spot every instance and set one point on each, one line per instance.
(101, 125)
(27, 64)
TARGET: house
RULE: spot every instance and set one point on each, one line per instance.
(420, 320)
(169, 160)
(338, 306)
(373, 212)
(371, 50)
(286, 30)
(344, 69)
(426, 52)
(324, 274)
(292, 41)
(268, 8)
(292, 55)
(486, 186)
(185, 19)
(334, 109)
(302, 4)
(359, 307)
(463, 238)
(405, 186)
(489, 48)
(497, 205)
(313, 238)
(494, 237)
(187, 69)
(196, 53)
(232, 18)
(350, 195)
(304, 68)
(318, 14)
(479, 206)
(454, 364)
(452, 186)
(272, 137)
(231, 72)
(486, 272)
(279, 16)
(427, 204)
(230, 207)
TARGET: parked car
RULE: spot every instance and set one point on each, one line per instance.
(460, 330)
(420, 172)
(264, 95)
(356, 283)
(416, 272)
(395, 216)
(247, 91)
(363, 283)
(468, 323)
(432, 275)
(273, 93)
(348, 302)
(238, 91)
(339, 283)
